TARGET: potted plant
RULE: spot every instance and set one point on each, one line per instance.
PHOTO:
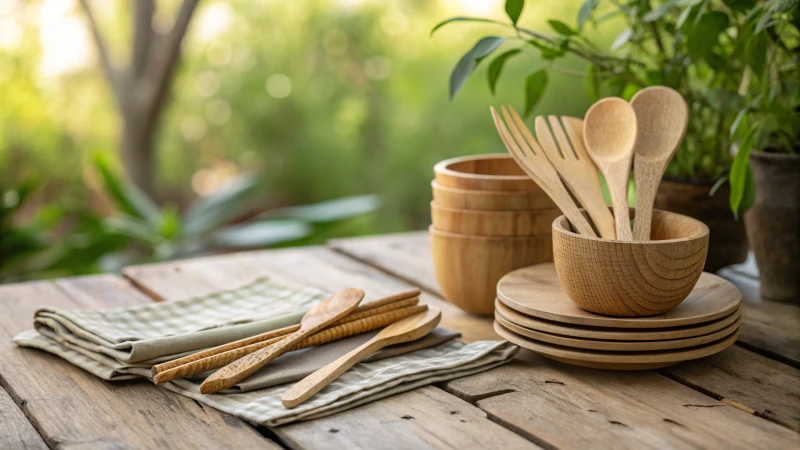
(711, 51)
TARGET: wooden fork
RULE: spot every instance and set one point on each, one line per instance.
(534, 162)
(575, 167)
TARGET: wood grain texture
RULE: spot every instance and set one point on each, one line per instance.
(616, 360)
(576, 168)
(468, 267)
(615, 334)
(616, 346)
(536, 291)
(317, 318)
(490, 200)
(661, 117)
(341, 331)
(16, 431)
(488, 172)
(561, 406)
(773, 388)
(493, 223)
(609, 133)
(425, 418)
(405, 330)
(523, 147)
(74, 409)
(623, 278)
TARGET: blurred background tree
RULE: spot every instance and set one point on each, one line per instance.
(321, 98)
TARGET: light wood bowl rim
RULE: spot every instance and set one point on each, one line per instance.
(484, 193)
(559, 226)
(498, 213)
(443, 167)
(477, 237)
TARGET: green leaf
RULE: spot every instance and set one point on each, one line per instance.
(749, 196)
(756, 54)
(683, 16)
(705, 35)
(535, 85)
(738, 175)
(737, 121)
(561, 28)
(739, 5)
(470, 60)
(496, 67)
(514, 9)
(127, 197)
(593, 82)
(133, 228)
(260, 234)
(622, 39)
(328, 211)
(585, 12)
(231, 201)
(462, 19)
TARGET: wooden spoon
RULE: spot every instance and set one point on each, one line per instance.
(317, 318)
(661, 116)
(408, 329)
(609, 131)
(575, 167)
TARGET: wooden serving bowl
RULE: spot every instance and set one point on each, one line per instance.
(493, 223)
(469, 267)
(490, 200)
(632, 279)
(490, 172)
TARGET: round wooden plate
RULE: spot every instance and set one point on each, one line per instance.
(614, 334)
(536, 291)
(619, 346)
(616, 360)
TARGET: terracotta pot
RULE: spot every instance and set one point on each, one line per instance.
(773, 224)
(728, 239)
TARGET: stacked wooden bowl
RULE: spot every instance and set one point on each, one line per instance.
(534, 312)
(489, 218)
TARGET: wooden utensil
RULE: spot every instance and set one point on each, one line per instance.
(320, 316)
(531, 158)
(535, 291)
(408, 329)
(494, 223)
(576, 168)
(609, 132)
(661, 117)
(468, 267)
(355, 323)
(490, 200)
(489, 172)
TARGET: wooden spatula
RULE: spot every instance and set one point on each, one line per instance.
(317, 318)
(529, 155)
(408, 329)
(575, 167)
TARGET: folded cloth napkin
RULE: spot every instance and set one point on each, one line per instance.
(124, 343)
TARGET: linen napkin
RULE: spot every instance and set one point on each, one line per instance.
(123, 343)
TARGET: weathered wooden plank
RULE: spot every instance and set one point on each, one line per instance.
(312, 266)
(768, 327)
(379, 424)
(72, 408)
(424, 418)
(773, 389)
(574, 407)
(15, 429)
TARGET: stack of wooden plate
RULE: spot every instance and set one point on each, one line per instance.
(533, 312)
(488, 218)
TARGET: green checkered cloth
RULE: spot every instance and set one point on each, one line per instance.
(124, 343)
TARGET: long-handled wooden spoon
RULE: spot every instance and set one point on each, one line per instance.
(408, 329)
(609, 131)
(661, 117)
(317, 318)
(575, 167)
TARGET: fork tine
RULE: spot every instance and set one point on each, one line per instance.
(546, 138)
(520, 126)
(530, 153)
(574, 128)
(563, 142)
(510, 144)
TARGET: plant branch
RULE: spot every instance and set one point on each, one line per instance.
(111, 72)
(143, 12)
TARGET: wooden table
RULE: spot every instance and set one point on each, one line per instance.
(745, 397)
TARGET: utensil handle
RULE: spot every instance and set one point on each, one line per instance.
(643, 175)
(618, 186)
(310, 385)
